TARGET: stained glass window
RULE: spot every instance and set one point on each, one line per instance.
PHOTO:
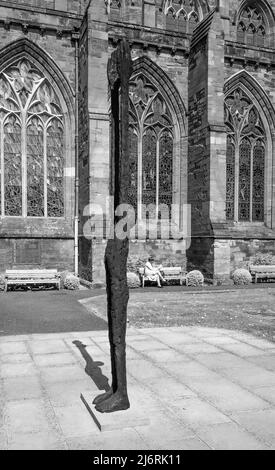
(230, 183)
(115, 10)
(251, 27)
(133, 164)
(258, 180)
(151, 147)
(55, 165)
(245, 159)
(244, 180)
(149, 167)
(32, 149)
(12, 167)
(35, 168)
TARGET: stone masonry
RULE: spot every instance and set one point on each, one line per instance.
(194, 55)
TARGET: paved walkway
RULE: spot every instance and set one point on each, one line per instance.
(202, 389)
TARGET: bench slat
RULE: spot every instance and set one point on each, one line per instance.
(26, 277)
(262, 269)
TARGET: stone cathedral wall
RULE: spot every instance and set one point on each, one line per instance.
(46, 26)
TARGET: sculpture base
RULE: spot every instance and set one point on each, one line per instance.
(131, 418)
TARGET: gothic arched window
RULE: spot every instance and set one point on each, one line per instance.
(151, 148)
(245, 159)
(181, 15)
(251, 27)
(114, 7)
(31, 144)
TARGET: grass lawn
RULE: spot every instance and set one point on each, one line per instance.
(248, 310)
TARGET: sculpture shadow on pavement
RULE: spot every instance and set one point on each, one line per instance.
(93, 368)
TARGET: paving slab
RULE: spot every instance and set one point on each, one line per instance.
(74, 420)
(26, 416)
(260, 424)
(65, 373)
(15, 358)
(36, 441)
(196, 412)
(229, 436)
(251, 376)
(243, 349)
(164, 431)
(48, 347)
(226, 396)
(166, 355)
(266, 361)
(22, 388)
(202, 389)
(187, 444)
(15, 347)
(66, 394)
(55, 359)
(221, 361)
(197, 348)
(143, 370)
(267, 393)
(17, 370)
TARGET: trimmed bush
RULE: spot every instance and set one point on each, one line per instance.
(135, 262)
(263, 259)
(63, 276)
(195, 279)
(71, 282)
(133, 281)
(2, 283)
(242, 277)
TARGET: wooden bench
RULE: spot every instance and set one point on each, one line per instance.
(170, 274)
(30, 278)
(262, 272)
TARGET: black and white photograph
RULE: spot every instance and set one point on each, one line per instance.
(137, 228)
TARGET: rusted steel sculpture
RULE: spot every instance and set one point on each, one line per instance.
(119, 72)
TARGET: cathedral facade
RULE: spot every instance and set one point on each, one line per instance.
(201, 132)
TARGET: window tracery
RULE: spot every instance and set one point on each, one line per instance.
(31, 144)
(251, 28)
(151, 146)
(245, 159)
(181, 15)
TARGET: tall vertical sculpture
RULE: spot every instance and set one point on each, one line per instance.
(119, 72)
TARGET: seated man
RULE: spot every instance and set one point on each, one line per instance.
(153, 273)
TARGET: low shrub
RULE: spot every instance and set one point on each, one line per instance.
(63, 276)
(71, 282)
(195, 279)
(135, 262)
(242, 277)
(133, 281)
(263, 259)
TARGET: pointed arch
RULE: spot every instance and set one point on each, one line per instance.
(162, 81)
(158, 136)
(249, 83)
(251, 100)
(35, 92)
(202, 7)
(25, 48)
(263, 30)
